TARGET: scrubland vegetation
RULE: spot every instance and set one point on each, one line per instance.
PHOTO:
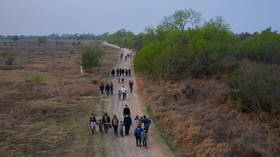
(215, 92)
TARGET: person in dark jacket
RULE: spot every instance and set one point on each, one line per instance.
(118, 72)
(131, 86)
(106, 121)
(138, 133)
(129, 72)
(107, 89)
(111, 88)
(127, 123)
(126, 111)
(113, 72)
(147, 122)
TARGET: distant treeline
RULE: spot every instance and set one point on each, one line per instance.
(56, 37)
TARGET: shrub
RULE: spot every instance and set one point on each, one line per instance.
(36, 79)
(3, 54)
(72, 52)
(257, 88)
(90, 58)
(9, 60)
(264, 46)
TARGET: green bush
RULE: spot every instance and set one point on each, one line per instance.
(178, 53)
(257, 89)
(9, 60)
(264, 46)
(90, 58)
(3, 54)
(36, 79)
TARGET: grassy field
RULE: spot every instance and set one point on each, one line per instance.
(45, 102)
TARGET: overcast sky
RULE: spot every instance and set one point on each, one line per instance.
(42, 17)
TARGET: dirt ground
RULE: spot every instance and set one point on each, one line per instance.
(126, 146)
(50, 117)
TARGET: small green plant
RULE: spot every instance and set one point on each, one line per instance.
(29, 61)
(36, 79)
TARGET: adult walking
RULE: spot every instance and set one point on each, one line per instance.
(106, 121)
(101, 87)
(127, 123)
(138, 133)
(115, 124)
(111, 87)
(113, 72)
(131, 85)
(124, 92)
(107, 89)
(147, 122)
(92, 123)
(126, 111)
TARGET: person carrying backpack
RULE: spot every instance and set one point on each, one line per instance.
(92, 123)
(115, 124)
(100, 124)
(138, 133)
(106, 121)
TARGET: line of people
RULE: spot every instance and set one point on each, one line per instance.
(126, 56)
(121, 72)
(122, 128)
(108, 88)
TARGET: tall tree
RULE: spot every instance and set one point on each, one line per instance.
(180, 20)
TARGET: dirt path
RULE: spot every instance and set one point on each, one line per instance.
(126, 146)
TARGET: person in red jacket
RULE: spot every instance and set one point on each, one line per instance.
(101, 87)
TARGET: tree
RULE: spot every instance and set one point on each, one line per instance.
(90, 58)
(15, 38)
(180, 19)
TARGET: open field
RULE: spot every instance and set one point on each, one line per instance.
(45, 101)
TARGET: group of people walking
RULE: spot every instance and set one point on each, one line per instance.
(122, 128)
(121, 72)
(108, 88)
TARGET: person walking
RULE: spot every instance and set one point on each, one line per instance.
(127, 123)
(121, 128)
(126, 72)
(115, 124)
(126, 111)
(147, 122)
(113, 72)
(106, 121)
(124, 92)
(120, 94)
(101, 87)
(92, 123)
(138, 133)
(107, 89)
(131, 85)
(100, 124)
(137, 121)
(129, 72)
(111, 87)
(118, 71)
(145, 138)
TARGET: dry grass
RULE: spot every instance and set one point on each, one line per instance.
(199, 117)
(49, 118)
